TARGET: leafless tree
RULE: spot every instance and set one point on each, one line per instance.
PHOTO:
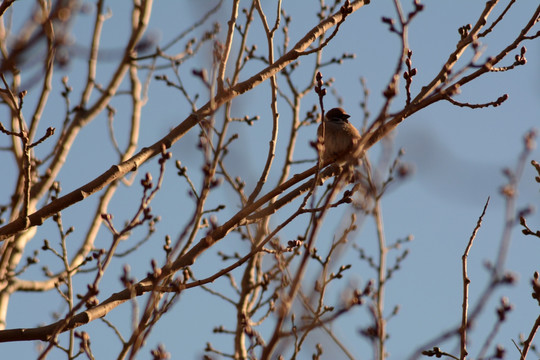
(272, 267)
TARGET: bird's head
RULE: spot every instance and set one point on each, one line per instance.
(337, 115)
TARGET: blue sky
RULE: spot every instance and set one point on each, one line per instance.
(457, 155)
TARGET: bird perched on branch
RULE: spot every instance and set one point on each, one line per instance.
(340, 139)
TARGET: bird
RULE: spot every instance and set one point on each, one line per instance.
(340, 139)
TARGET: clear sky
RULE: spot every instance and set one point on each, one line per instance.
(457, 155)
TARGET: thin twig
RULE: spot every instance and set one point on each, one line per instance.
(466, 282)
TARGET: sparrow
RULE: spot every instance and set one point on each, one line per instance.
(340, 140)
